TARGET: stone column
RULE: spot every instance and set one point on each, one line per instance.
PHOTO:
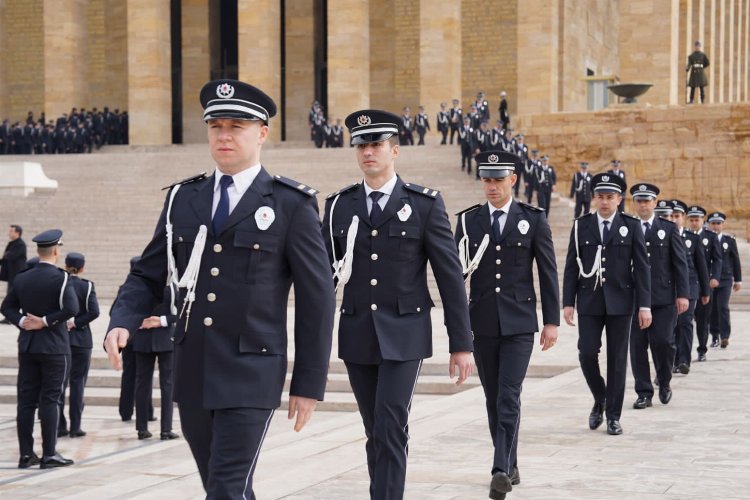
(746, 44)
(300, 69)
(195, 67)
(149, 72)
(731, 66)
(3, 66)
(348, 56)
(116, 20)
(538, 48)
(259, 43)
(721, 63)
(439, 55)
(712, 54)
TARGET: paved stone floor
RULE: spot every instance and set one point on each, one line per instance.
(696, 447)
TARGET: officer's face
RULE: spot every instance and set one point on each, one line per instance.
(377, 159)
(678, 218)
(695, 223)
(606, 203)
(12, 234)
(716, 227)
(645, 208)
(235, 144)
(498, 191)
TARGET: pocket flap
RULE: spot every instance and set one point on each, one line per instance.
(413, 304)
(263, 343)
(525, 295)
(340, 231)
(404, 231)
(256, 241)
(184, 234)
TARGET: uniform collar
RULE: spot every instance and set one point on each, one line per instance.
(600, 219)
(241, 180)
(386, 188)
(505, 208)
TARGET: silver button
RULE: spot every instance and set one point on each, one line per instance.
(648, 243)
(604, 259)
(497, 247)
(373, 282)
(419, 309)
(497, 262)
(604, 269)
(211, 297)
(214, 271)
(374, 256)
(264, 349)
(343, 310)
(519, 243)
(179, 238)
(374, 307)
(217, 248)
(208, 321)
(497, 276)
(497, 290)
(648, 255)
(587, 242)
(256, 246)
(374, 232)
(604, 280)
(403, 233)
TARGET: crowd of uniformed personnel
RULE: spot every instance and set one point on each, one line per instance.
(324, 131)
(79, 131)
(640, 280)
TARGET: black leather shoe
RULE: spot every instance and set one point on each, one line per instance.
(715, 343)
(55, 460)
(500, 485)
(724, 343)
(144, 434)
(614, 428)
(27, 461)
(77, 433)
(152, 419)
(62, 432)
(596, 417)
(665, 395)
(675, 369)
(701, 357)
(166, 436)
(642, 403)
(683, 368)
(515, 477)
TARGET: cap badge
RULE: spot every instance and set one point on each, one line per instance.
(605, 178)
(725, 245)
(364, 120)
(404, 213)
(225, 91)
(661, 234)
(662, 203)
(493, 159)
(523, 226)
(705, 242)
(264, 217)
(623, 231)
(642, 187)
(688, 243)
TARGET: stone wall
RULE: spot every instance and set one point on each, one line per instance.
(300, 67)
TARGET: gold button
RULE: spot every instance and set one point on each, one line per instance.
(214, 271)
(497, 247)
(374, 232)
(419, 309)
(497, 276)
(374, 307)
(373, 282)
(256, 246)
(211, 297)
(217, 248)
(498, 262)
(374, 256)
(208, 321)
(497, 290)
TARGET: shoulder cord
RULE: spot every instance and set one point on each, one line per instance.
(596, 268)
(88, 294)
(342, 269)
(468, 264)
(62, 290)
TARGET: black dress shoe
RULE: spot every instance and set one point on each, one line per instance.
(77, 433)
(500, 485)
(683, 368)
(614, 428)
(665, 395)
(724, 343)
(55, 460)
(144, 434)
(27, 461)
(62, 432)
(715, 343)
(152, 419)
(701, 357)
(596, 417)
(642, 402)
(165, 436)
(515, 477)
(675, 369)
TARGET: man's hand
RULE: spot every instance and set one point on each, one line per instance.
(71, 324)
(116, 339)
(644, 318)
(682, 305)
(464, 363)
(705, 300)
(33, 322)
(151, 322)
(713, 283)
(548, 338)
(568, 313)
(737, 287)
(303, 408)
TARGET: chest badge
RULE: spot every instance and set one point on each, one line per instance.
(264, 217)
(661, 234)
(725, 245)
(404, 213)
(688, 243)
(623, 231)
(705, 242)
(523, 226)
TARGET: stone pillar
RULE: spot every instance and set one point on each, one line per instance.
(116, 19)
(348, 56)
(195, 67)
(259, 43)
(746, 44)
(23, 58)
(538, 48)
(300, 69)
(382, 60)
(149, 74)
(721, 63)
(406, 55)
(731, 66)
(439, 54)
(3, 66)
(712, 54)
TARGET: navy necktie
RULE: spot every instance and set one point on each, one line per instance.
(496, 224)
(222, 209)
(375, 211)
(605, 231)
(647, 230)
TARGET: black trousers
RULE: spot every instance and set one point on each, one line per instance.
(582, 207)
(684, 335)
(466, 157)
(660, 338)
(721, 326)
(454, 131)
(529, 190)
(502, 362)
(545, 198)
(590, 343)
(421, 132)
(40, 383)
(444, 133)
(702, 319)
(225, 444)
(62, 423)
(78, 374)
(384, 393)
(692, 94)
(517, 187)
(144, 376)
(127, 385)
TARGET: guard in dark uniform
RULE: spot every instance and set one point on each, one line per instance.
(457, 119)
(503, 110)
(580, 190)
(422, 124)
(699, 288)
(546, 182)
(710, 243)
(237, 241)
(530, 166)
(696, 68)
(498, 243)
(483, 107)
(443, 122)
(40, 303)
(13, 260)
(607, 276)
(467, 141)
(731, 279)
(616, 164)
(670, 290)
(407, 126)
(380, 235)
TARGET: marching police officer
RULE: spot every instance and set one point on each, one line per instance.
(616, 170)
(380, 235)
(407, 126)
(530, 166)
(670, 290)
(443, 122)
(731, 279)
(456, 116)
(40, 303)
(237, 240)
(498, 243)
(580, 188)
(422, 124)
(467, 142)
(13, 260)
(607, 275)
(546, 181)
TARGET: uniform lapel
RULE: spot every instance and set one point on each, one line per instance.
(251, 200)
(359, 205)
(202, 203)
(511, 220)
(593, 228)
(483, 219)
(395, 202)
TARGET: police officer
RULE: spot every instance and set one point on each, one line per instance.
(380, 235)
(696, 67)
(580, 188)
(40, 303)
(731, 279)
(699, 288)
(616, 170)
(407, 126)
(546, 182)
(503, 110)
(498, 243)
(422, 124)
(607, 276)
(483, 107)
(467, 141)
(457, 119)
(530, 166)
(443, 122)
(238, 239)
(710, 243)
(670, 290)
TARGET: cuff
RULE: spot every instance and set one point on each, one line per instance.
(21, 321)
(644, 309)
(44, 320)
(163, 321)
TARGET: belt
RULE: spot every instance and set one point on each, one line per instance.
(697, 65)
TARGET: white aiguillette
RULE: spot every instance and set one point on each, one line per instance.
(523, 226)
(264, 217)
(404, 213)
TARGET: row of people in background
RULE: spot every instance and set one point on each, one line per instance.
(323, 131)
(76, 132)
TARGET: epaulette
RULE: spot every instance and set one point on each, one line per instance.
(302, 188)
(629, 216)
(465, 210)
(585, 215)
(530, 207)
(729, 236)
(666, 220)
(194, 178)
(342, 190)
(432, 193)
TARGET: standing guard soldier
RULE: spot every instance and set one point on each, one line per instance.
(710, 243)
(380, 234)
(608, 277)
(236, 241)
(670, 290)
(696, 67)
(699, 287)
(40, 303)
(546, 182)
(616, 170)
(457, 119)
(443, 122)
(467, 140)
(422, 124)
(731, 279)
(500, 240)
(580, 188)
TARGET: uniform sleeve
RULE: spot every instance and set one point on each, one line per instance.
(735, 255)
(701, 269)
(90, 312)
(544, 253)
(716, 259)
(69, 307)
(11, 307)
(326, 232)
(679, 264)
(572, 186)
(641, 269)
(570, 274)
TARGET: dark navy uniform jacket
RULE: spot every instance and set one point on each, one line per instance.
(697, 268)
(157, 339)
(43, 291)
(666, 255)
(80, 335)
(502, 287)
(626, 278)
(731, 271)
(232, 350)
(385, 312)
(714, 255)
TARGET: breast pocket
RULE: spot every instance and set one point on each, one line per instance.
(520, 247)
(408, 239)
(261, 249)
(183, 239)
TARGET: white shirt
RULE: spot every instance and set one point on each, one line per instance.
(650, 223)
(505, 209)
(240, 183)
(601, 220)
(386, 189)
